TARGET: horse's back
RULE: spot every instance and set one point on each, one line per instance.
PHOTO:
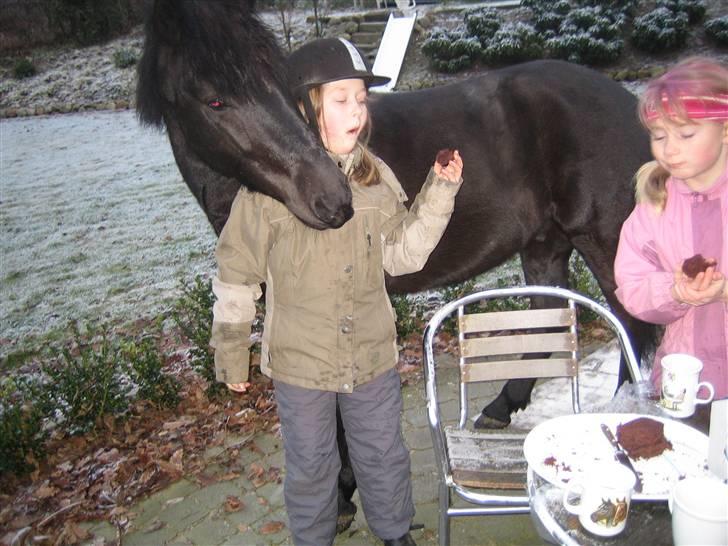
(545, 143)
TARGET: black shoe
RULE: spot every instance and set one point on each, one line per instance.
(404, 540)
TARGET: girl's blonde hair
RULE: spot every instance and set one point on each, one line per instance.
(366, 172)
(696, 78)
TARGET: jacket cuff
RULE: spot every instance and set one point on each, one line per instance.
(231, 342)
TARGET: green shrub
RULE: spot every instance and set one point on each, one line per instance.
(717, 30)
(583, 281)
(585, 49)
(594, 21)
(89, 380)
(89, 21)
(24, 68)
(660, 30)
(482, 23)
(124, 58)
(547, 21)
(513, 43)
(451, 51)
(192, 313)
(146, 365)
(22, 435)
(410, 312)
(694, 9)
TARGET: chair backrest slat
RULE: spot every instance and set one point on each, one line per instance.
(512, 320)
(514, 369)
(518, 344)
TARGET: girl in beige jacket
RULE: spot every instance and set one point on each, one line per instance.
(329, 331)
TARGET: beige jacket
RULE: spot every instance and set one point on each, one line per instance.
(329, 324)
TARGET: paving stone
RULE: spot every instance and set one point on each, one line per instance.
(212, 498)
(150, 508)
(269, 443)
(419, 438)
(211, 531)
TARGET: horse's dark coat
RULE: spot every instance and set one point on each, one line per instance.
(549, 150)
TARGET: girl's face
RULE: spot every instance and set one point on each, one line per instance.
(694, 151)
(343, 114)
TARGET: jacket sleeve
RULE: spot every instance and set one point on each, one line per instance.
(241, 253)
(643, 283)
(409, 237)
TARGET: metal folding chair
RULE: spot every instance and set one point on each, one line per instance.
(488, 469)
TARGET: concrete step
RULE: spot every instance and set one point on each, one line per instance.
(366, 38)
(373, 26)
(378, 15)
(369, 50)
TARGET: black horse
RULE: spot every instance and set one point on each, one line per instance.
(549, 148)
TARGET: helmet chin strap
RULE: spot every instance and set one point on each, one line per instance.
(311, 115)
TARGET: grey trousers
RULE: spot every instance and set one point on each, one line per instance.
(381, 463)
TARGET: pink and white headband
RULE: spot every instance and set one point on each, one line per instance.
(707, 107)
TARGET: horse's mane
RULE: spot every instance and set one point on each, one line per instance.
(221, 42)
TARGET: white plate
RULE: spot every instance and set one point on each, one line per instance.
(562, 448)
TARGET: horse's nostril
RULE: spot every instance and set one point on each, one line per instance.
(333, 215)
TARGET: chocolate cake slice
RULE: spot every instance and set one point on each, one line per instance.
(643, 438)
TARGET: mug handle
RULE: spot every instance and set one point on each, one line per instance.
(572, 488)
(708, 386)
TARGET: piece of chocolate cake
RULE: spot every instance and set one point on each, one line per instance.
(697, 264)
(444, 156)
(643, 438)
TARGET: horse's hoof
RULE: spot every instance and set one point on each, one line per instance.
(347, 511)
(488, 422)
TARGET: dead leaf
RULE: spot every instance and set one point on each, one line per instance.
(178, 423)
(271, 528)
(45, 491)
(233, 504)
(256, 474)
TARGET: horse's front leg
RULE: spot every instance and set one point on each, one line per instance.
(347, 482)
(545, 261)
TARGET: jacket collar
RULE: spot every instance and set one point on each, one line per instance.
(347, 162)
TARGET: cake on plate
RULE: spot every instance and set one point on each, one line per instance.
(643, 438)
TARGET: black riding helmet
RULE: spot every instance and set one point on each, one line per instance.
(322, 61)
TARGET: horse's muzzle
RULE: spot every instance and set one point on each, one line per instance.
(333, 216)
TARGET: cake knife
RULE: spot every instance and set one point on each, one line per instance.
(621, 456)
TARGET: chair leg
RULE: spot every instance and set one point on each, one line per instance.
(443, 528)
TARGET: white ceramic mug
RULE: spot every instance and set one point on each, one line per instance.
(699, 507)
(604, 495)
(680, 386)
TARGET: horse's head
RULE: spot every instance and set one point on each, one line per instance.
(214, 75)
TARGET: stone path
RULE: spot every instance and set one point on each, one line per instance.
(187, 513)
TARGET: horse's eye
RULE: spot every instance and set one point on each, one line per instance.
(216, 104)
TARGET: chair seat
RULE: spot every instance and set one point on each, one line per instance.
(488, 460)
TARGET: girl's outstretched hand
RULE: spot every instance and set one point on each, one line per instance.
(452, 171)
(706, 287)
(238, 387)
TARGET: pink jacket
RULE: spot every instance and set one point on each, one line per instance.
(652, 246)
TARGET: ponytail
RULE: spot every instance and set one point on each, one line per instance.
(650, 185)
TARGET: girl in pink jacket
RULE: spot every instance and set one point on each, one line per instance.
(682, 210)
